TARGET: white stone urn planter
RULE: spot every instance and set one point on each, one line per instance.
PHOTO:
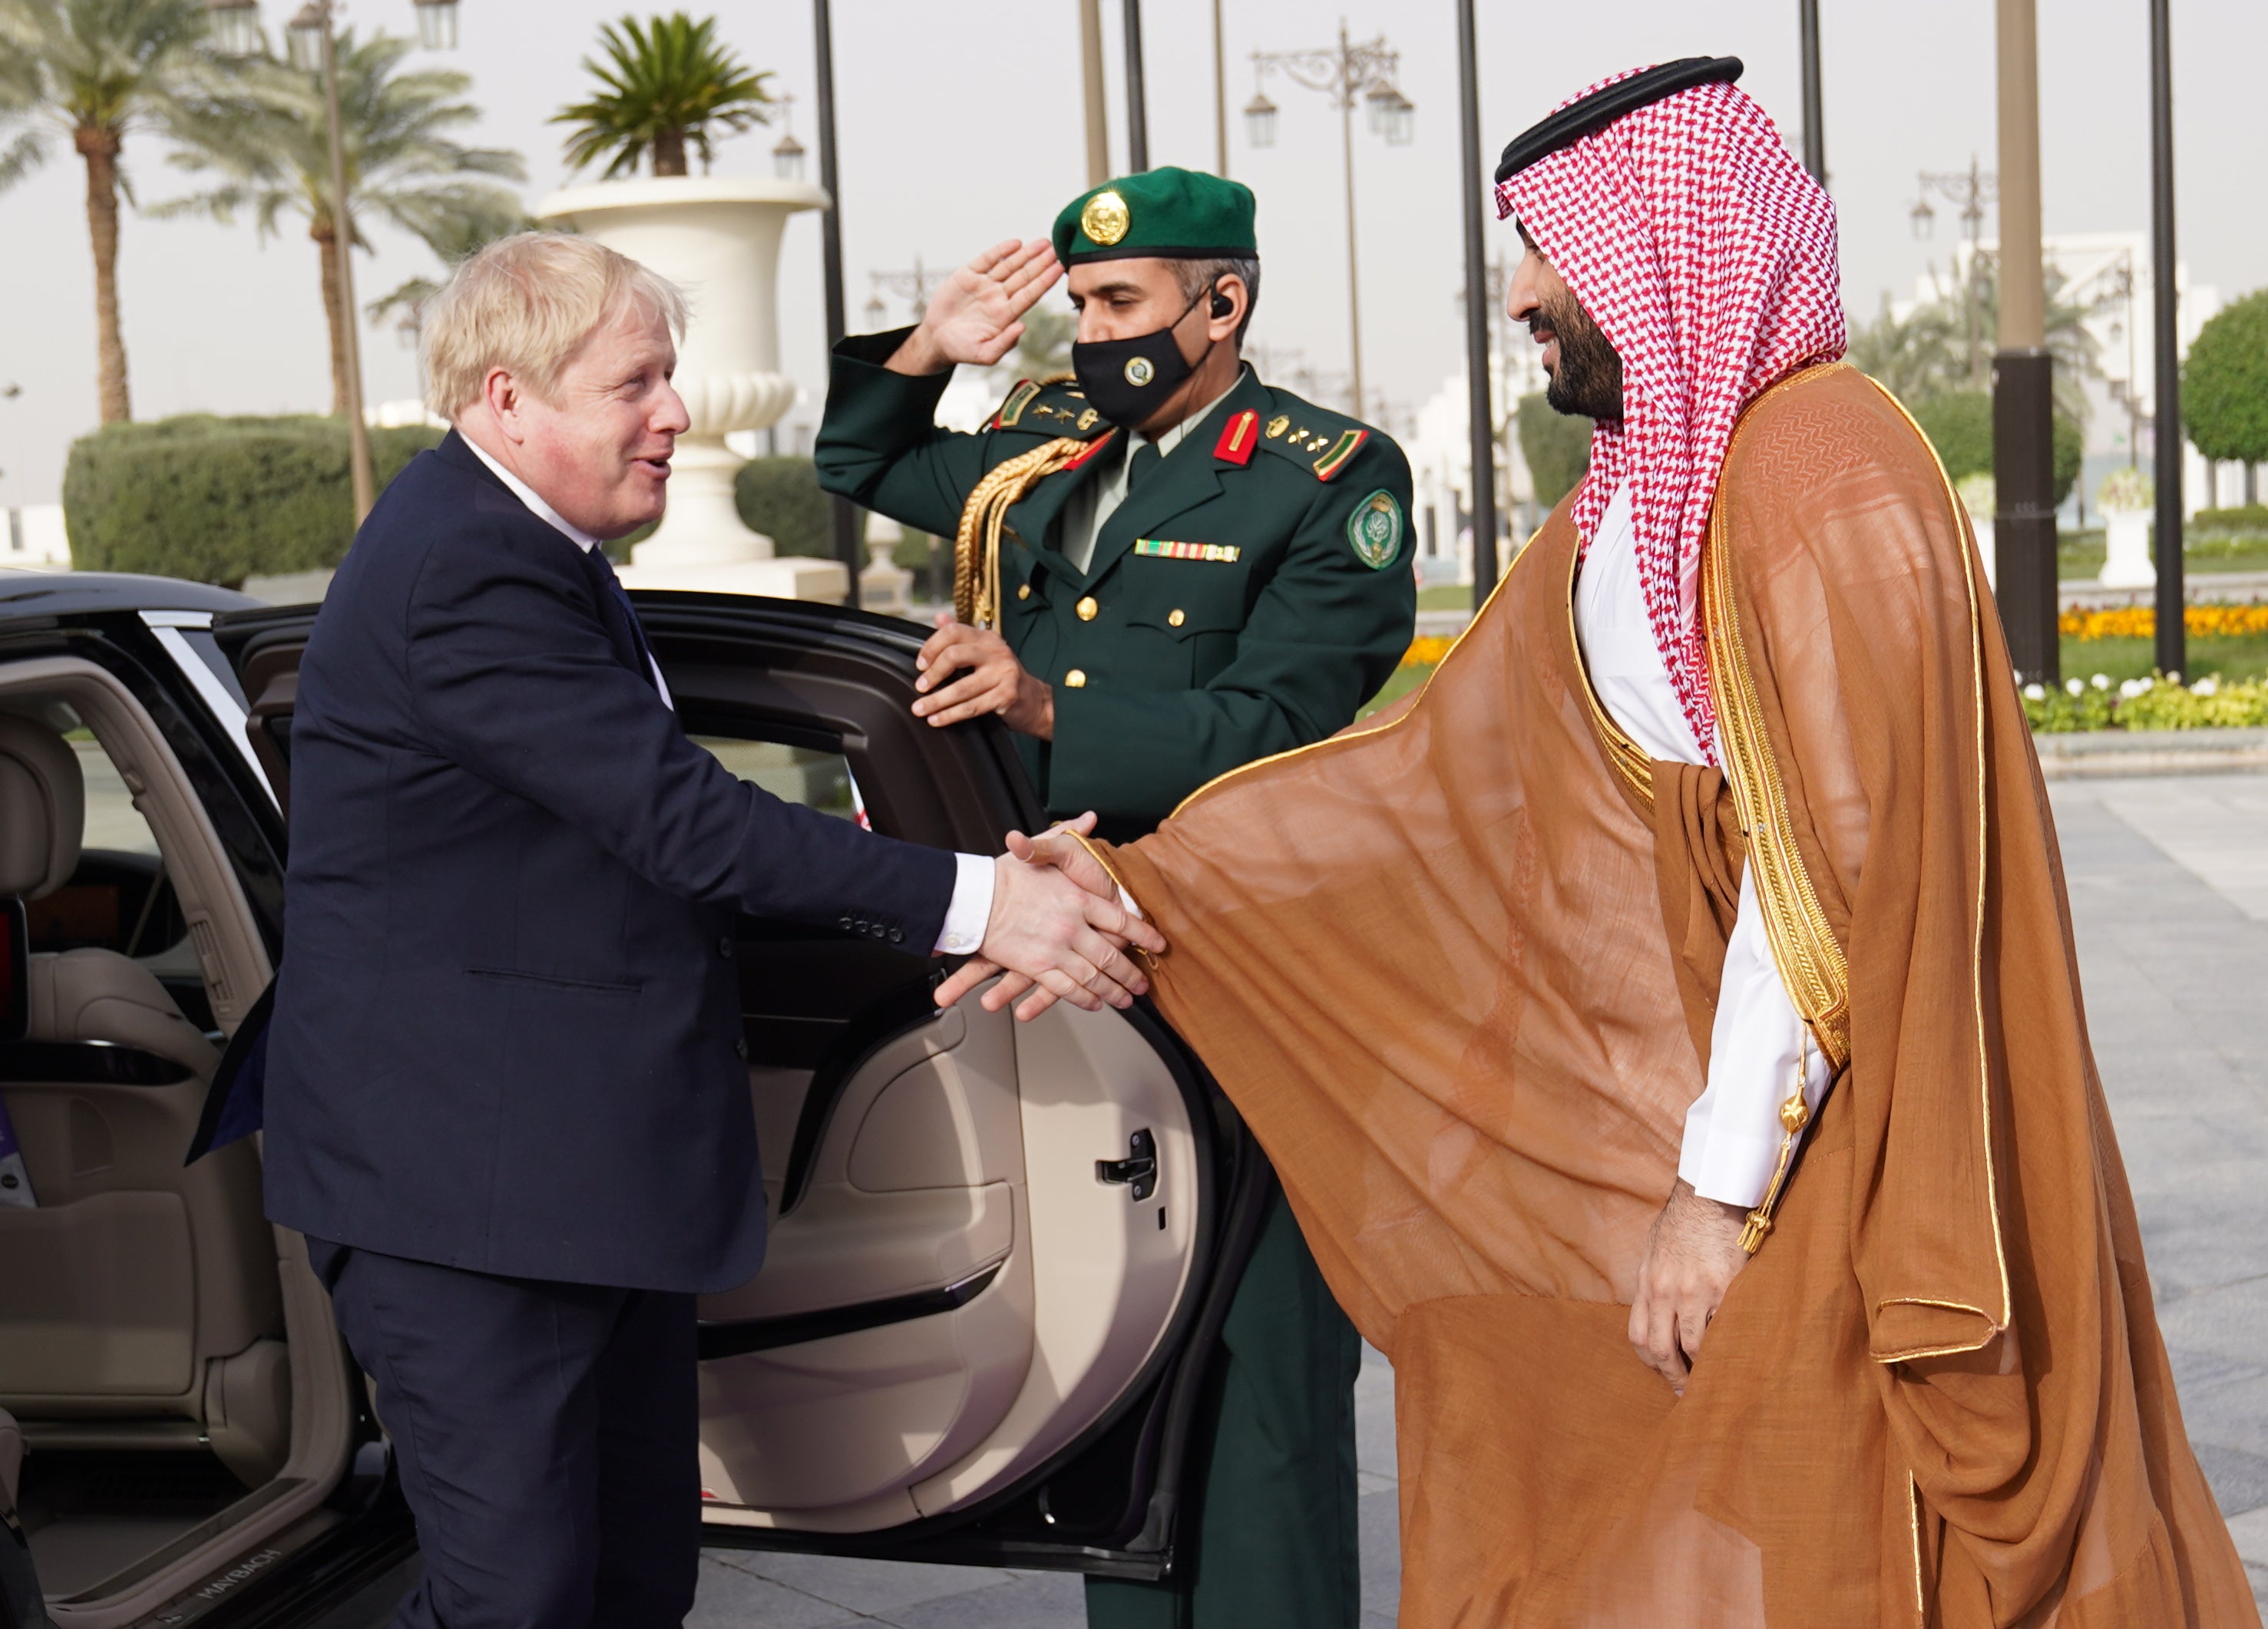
(718, 238)
(2127, 501)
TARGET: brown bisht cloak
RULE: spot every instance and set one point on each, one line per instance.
(1457, 973)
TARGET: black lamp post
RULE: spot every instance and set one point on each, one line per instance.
(1478, 313)
(2173, 637)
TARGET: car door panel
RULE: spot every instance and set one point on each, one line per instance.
(965, 1283)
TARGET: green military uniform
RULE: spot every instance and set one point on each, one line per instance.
(1251, 591)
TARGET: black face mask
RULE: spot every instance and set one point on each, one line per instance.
(1127, 380)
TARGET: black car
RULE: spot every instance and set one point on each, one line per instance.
(993, 1245)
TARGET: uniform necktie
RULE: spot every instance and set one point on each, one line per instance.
(1144, 459)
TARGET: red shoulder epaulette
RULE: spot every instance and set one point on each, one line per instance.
(1093, 447)
(1238, 438)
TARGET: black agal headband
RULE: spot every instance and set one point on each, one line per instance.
(1595, 111)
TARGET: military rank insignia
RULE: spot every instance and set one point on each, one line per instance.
(1374, 529)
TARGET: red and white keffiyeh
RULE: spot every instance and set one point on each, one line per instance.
(1706, 254)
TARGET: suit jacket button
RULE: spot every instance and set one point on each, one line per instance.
(1087, 608)
(724, 948)
(741, 1046)
(846, 924)
(1176, 618)
(1024, 590)
(897, 936)
(1075, 680)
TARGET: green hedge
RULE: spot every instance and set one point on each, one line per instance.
(780, 497)
(1959, 424)
(2242, 519)
(1555, 447)
(217, 500)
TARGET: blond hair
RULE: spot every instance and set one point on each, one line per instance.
(526, 304)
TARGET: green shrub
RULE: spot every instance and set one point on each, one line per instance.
(2225, 383)
(780, 497)
(2251, 518)
(1556, 446)
(2149, 704)
(217, 500)
(1959, 424)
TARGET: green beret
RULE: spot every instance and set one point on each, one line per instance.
(1168, 213)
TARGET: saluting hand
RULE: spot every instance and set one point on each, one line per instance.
(977, 315)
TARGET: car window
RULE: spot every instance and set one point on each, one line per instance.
(819, 780)
(113, 822)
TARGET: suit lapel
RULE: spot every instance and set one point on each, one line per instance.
(1188, 476)
(1034, 518)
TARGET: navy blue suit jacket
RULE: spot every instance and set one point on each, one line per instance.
(507, 1031)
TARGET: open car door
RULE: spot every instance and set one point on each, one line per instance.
(994, 1246)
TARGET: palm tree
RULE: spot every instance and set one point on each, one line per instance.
(664, 83)
(265, 140)
(1926, 353)
(89, 71)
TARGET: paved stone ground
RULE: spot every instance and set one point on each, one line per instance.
(2170, 888)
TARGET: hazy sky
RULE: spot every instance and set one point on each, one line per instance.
(961, 124)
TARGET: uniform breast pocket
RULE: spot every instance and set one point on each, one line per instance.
(1191, 612)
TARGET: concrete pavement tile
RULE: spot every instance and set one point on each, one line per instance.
(1041, 1601)
(1380, 1515)
(1373, 1422)
(730, 1597)
(873, 1588)
(2239, 1479)
(2197, 1372)
(2250, 1532)
(1377, 1620)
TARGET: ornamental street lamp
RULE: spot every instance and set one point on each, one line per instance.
(787, 157)
(914, 287)
(312, 40)
(1972, 191)
(236, 26)
(1346, 73)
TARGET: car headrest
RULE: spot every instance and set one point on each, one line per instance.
(42, 809)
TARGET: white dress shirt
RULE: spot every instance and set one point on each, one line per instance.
(1733, 1132)
(971, 907)
(1086, 509)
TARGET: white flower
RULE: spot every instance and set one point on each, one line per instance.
(2073, 686)
(2132, 687)
(2206, 686)
(2102, 681)
(2036, 692)
(2174, 677)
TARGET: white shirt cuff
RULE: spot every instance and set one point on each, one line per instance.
(1732, 1132)
(965, 918)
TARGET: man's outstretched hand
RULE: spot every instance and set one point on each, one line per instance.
(1069, 867)
(977, 315)
(1693, 1255)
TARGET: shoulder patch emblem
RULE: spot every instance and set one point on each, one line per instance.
(1019, 398)
(1374, 529)
(1345, 447)
(1279, 424)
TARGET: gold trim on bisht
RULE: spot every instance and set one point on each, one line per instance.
(977, 545)
(1811, 964)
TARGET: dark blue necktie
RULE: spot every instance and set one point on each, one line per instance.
(603, 570)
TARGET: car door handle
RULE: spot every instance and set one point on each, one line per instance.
(1138, 1170)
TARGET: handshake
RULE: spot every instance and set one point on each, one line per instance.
(1058, 930)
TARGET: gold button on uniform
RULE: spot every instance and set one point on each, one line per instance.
(1076, 679)
(1176, 618)
(1087, 608)
(1024, 592)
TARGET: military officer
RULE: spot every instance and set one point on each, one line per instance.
(1164, 568)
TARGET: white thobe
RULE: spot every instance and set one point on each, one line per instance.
(1732, 1132)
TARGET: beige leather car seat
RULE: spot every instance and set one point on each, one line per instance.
(142, 1305)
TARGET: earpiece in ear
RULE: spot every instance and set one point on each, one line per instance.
(1222, 305)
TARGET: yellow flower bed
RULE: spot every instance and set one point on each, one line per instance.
(1427, 649)
(2140, 621)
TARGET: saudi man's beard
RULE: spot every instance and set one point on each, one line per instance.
(1588, 381)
